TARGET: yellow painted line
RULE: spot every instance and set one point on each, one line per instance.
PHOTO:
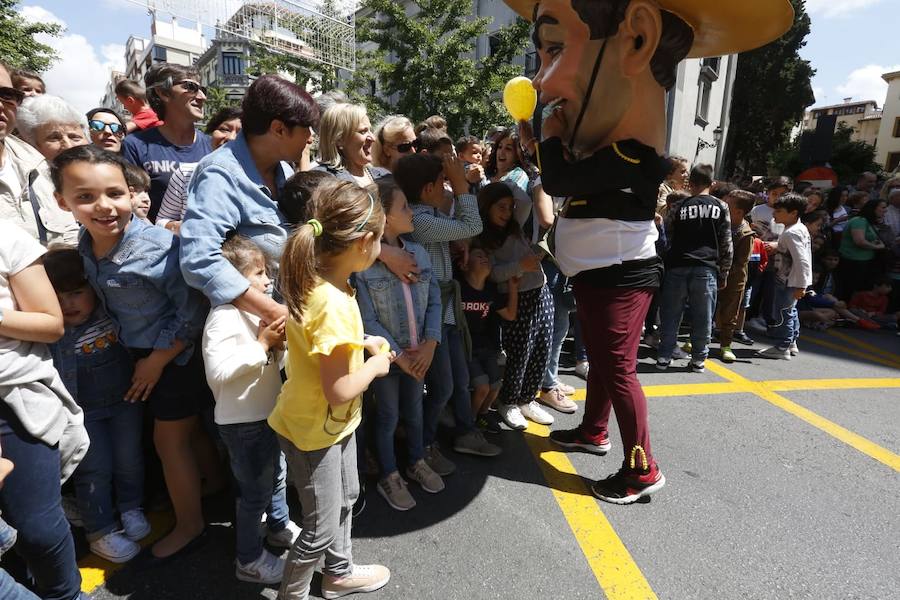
(799, 385)
(866, 346)
(867, 447)
(609, 559)
(692, 389)
(95, 571)
(852, 352)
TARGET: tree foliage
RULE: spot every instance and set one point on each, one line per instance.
(849, 157)
(216, 100)
(423, 62)
(18, 46)
(771, 90)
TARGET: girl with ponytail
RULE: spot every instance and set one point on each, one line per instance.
(319, 407)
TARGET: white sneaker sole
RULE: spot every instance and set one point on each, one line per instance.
(251, 579)
(510, 424)
(566, 411)
(634, 497)
(117, 559)
(369, 588)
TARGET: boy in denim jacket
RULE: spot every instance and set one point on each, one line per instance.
(96, 370)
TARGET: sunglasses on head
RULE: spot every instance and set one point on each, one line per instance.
(191, 87)
(408, 146)
(11, 96)
(114, 128)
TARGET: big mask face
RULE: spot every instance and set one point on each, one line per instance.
(569, 49)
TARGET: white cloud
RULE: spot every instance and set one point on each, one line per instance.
(865, 83)
(79, 75)
(838, 8)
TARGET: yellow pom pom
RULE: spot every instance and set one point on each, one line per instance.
(520, 98)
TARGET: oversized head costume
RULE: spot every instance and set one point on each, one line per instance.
(605, 69)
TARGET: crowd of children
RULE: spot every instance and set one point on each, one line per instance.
(293, 320)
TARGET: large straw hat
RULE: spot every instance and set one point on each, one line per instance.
(720, 26)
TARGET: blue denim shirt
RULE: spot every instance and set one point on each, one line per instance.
(383, 308)
(94, 366)
(139, 285)
(227, 194)
(8, 537)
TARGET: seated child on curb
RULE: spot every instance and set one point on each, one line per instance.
(96, 370)
(319, 407)
(139, 186)
(481, 304)
(241, 357)
(873, 304)
(134, 269)
(793, 274)
(408, 316)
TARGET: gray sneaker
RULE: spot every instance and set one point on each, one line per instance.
(774, 352)
(393, 489)
(473, 442)
(438, 463)
(422, 474)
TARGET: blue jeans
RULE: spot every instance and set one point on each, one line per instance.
(260, 470)
(448, 378)
(563, 304)
(397, 395)
(113, 466)
(697, 285)
(10, 590)
(31, 503)
(784, 322)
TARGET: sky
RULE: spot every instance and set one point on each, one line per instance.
(851, 44)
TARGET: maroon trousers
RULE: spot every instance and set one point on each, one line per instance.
(611, 320)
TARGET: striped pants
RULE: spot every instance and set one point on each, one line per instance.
(527, 344)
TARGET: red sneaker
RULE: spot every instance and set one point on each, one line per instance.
(572, 439)
(629, 485)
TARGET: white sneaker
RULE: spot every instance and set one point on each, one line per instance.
(774, 352)
(678, 353)
(268, 568)
(284, 538)
(793, 349)
(534, 412)
(512, 416)
(581, 368)
(135, 524)
(115, 547)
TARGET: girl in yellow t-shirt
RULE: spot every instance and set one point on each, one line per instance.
(319, 405)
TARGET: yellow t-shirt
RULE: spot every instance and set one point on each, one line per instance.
(302, 414)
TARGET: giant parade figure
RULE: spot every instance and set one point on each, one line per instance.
(605, 68)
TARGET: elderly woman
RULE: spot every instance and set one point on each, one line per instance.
(345, 144)
(176, 95)
(222, 127)
(50, 125)
(106, 128)
(394, 138)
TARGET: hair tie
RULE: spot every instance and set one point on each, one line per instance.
(316, 227)
(368, 216)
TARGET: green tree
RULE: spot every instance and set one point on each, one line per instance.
(771, 90)
(317, 77)
(849, 157)
(18, 46)
(431, 70)
(216, 100)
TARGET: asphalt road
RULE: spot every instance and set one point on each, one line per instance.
(787, 489)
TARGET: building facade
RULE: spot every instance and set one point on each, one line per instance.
(169, 42)
(109, 95)
(863, 117)
(224, 65)
(888, 143)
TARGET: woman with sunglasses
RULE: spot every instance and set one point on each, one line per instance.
(394, 139)
(176, 95)
(107, 129)
(222, 127)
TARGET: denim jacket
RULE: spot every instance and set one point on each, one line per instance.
(225, 195)
(383, 307)
(94, 366)
(8, 537)
(139, 285)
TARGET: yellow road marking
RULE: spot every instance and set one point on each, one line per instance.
(852, 352)
(794, 385)
(867, 447)
(866, 346)
(609, 559)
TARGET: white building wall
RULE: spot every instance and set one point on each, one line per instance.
(888, 145)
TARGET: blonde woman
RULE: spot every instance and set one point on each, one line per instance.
(345, 144)
(394, 138)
